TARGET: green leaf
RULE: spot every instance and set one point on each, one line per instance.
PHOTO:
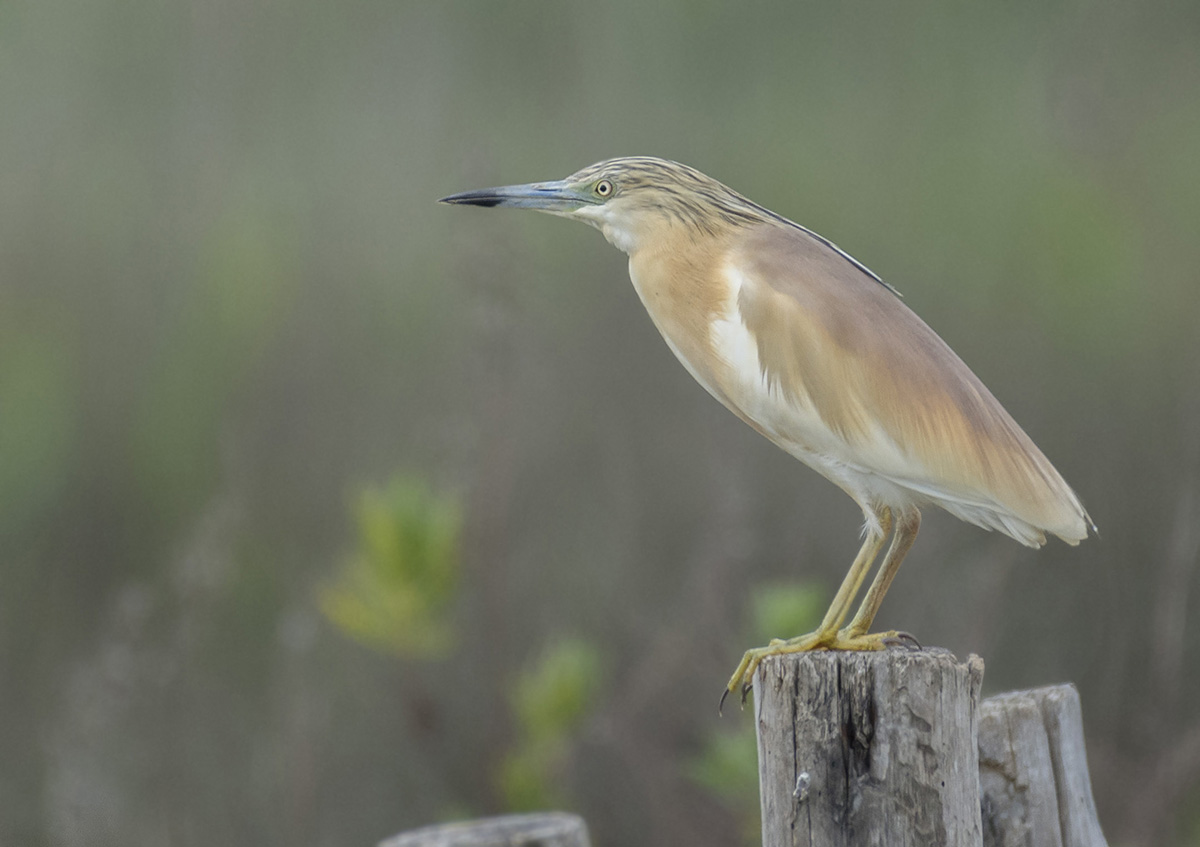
(550, 702)
(727, 766)
(394, 592)
(552, 698)
(785, 610)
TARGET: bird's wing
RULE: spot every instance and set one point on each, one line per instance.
(903, 405)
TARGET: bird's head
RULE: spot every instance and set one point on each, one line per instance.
(629, 199)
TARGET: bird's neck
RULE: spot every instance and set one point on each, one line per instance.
(623, 232)
(660, 234)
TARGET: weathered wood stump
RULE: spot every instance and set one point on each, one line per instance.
(869, 749)
(1033, 771)
(547, 829)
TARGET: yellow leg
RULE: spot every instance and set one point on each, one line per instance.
(906, 533)
(826, 635)
(851, 585)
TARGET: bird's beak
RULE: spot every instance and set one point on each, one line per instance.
(559, 196)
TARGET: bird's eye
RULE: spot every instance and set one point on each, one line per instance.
(604, 188)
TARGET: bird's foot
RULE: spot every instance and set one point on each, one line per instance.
(847, 640)
(743, 676)
(836, 640)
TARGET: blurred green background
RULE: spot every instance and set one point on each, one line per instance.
(327, 511)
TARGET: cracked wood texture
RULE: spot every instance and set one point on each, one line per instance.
(869, 749)
(547, 829)
(1033, 771)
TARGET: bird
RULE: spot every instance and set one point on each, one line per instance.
(822, 357)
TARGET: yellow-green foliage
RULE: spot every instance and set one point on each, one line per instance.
(728, 767)
(550, 701)
(394, 592)
(783, 610)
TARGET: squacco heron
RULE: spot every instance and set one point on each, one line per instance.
(818, 354)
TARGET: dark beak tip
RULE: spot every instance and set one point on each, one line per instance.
(472, 199)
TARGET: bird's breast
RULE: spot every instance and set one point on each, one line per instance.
(682, 298)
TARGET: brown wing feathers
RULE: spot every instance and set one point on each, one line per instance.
(840, 341)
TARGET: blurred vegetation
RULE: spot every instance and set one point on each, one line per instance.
(395, 591)
(227, 296)
(550, 701)
(728, 767)
(783, 610)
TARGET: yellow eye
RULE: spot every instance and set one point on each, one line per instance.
(604, 188)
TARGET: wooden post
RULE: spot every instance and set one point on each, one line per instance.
(1033, 771)
(547, 829)
(869, 749)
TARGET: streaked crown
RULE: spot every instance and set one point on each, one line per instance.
(644, 184)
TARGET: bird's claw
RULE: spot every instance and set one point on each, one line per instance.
(743, 677)
(903, 639)
(746, 689)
